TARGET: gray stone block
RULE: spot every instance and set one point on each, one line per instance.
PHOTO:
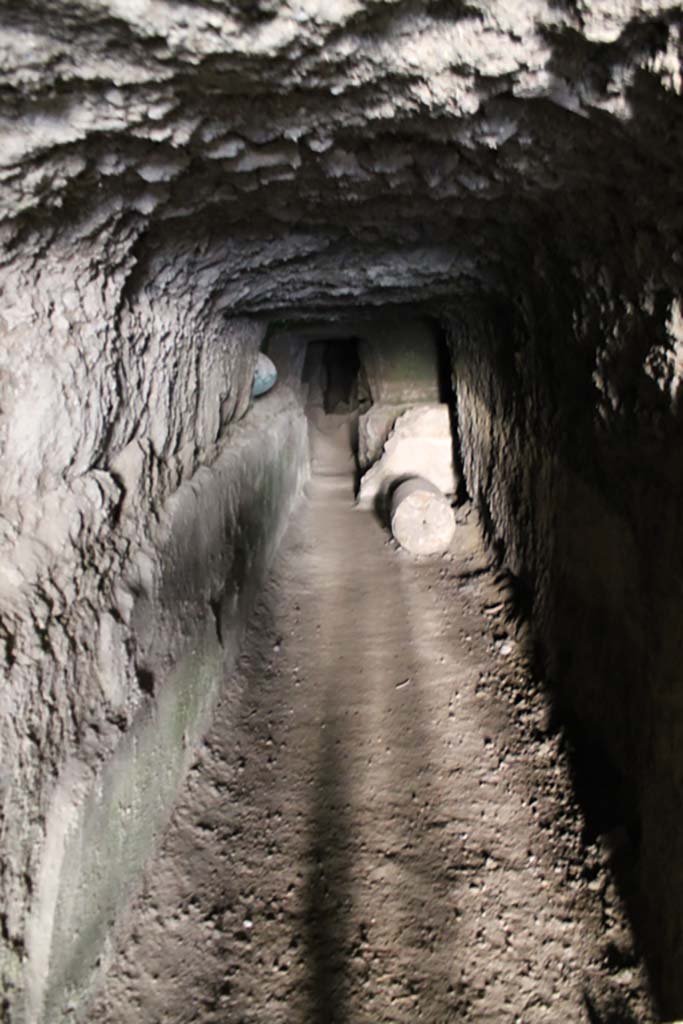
(420, 444)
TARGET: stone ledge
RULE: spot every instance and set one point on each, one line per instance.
(103, 826)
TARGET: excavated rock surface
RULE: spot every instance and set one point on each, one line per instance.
(307, 153)
(175, 175)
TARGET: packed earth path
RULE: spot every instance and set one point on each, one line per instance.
(380, 824)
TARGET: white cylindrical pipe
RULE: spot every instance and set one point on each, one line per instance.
(422, 519)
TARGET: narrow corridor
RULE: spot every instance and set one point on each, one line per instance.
(379, 827)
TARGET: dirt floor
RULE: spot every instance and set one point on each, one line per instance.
(380, 825)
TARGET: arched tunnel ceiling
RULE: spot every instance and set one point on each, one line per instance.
(326, 152)
(175, 177)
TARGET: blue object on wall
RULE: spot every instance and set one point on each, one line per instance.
(265, 375)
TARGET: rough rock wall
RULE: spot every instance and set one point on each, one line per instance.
(192, 587)
(114, 392)
(569, 407)
(166, 164)
(329, 152)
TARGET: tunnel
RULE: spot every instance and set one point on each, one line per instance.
(259, 761)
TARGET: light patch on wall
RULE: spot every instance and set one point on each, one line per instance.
(675, 328)
(664, 364)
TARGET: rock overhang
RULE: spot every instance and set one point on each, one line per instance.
(314, 154)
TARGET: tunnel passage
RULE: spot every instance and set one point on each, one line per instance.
(332, 372)
(382, 383)
(360, 835)
(176, 181)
